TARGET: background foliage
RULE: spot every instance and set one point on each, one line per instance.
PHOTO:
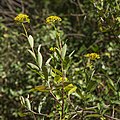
(89, 26)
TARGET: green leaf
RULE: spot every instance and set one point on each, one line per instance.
(48, 61)
(111, 84)
(22, 114)
(57, 78)
(72, 90)
(31, 41)
(58, 52)
(118, 18)
(28, 104)
(39, 57)
(93, 115)
(39, 108)
(71, 53)
(32, 53)
(115, 102)
(39, 47)
(82, 49)
(57, 71)
(33, 66)
(68, 87)
(40, 88)
(22, 100)
(58, 86)
(38, 72)
(91, 86)
(64, 51)
(98, 105)
(67, 63)
(79, 93)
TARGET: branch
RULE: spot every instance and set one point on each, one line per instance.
(78, 15)
(55, 98)
(112, 118)
(37, 113)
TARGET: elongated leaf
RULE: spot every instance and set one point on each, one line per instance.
(39, 47)
(48, 61)
(23, 114)
(93, 115)
(82, 48)
(22, 100)
(111, 84)
(31, 41)
(72, 90)
(32, 53)
(57, 71)
(68, 87)
(118, 18)
(71, 53)
(64, 49)
(57, 78)
(115, 102)
(91, 85)
(79, 93)
(33, 66)
(38, 72)
(39, 57)
(58, 52)
(39, 108)
(28, 104)
(40, 88)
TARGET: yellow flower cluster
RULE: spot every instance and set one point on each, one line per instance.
(53, 19)
(21, 18)
(52, 49)
(93, 56)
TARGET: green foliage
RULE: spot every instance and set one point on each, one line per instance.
(32, 76)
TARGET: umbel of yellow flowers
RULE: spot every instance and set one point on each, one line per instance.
(22, 18)
(93, 56)
(53, 19)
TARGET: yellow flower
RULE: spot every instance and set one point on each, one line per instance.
(21, 18)
(52, 49)
(93, 56)
(53, 19)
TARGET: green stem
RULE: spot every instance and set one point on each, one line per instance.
(63, 77)
(26, 34)
(63, 96)
(59, 45)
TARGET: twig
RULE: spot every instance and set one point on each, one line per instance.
(55, 98)
(9, 3)
(78, 15)
(113, 112)
(22, 6)
(74, 34)
(112, 118)
(37, 113)
(34, 117)
(78, 1)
